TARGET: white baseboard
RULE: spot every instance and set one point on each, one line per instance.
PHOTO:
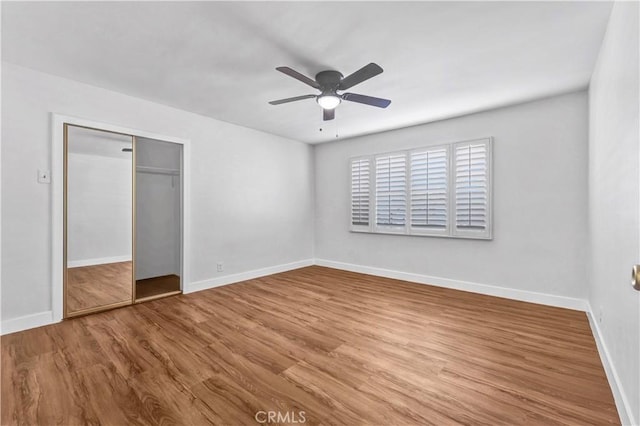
(244, 276)
(98, 261)
(26, 322)
(490, 290)
(620, 397)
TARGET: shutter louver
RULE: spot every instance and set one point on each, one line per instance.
(360, 192)
(429, 197)
(471, 183)
(391, 199)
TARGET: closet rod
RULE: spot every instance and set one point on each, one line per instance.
(158, 170)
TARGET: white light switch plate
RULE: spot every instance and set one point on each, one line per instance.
(44, 176)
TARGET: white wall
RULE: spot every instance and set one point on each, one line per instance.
(540, 200)
(241, 180)
(614, 199)
(155, 153)
(157, 210)
(99, 209)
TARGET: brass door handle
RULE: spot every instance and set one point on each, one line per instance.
(635, 277)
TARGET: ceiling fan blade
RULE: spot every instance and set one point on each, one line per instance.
(295, 74)
(297, 98)
(328, 114)
(364, 73)
(367, 100)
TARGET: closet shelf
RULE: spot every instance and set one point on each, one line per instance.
(158, 170)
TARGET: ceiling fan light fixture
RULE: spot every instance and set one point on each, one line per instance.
(328, 101)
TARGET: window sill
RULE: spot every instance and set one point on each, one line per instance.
(405, 234)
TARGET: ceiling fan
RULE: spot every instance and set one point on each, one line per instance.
(329, 83)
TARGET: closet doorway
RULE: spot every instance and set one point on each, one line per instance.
(158, 218)
(123, 219)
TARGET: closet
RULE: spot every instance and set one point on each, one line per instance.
(157, 218)
(122, 219)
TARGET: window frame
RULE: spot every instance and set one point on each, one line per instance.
(451, 230)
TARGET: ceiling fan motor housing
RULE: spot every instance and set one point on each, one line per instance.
(329, 81)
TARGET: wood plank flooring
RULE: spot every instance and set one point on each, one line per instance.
(98, 285)
(344, 348)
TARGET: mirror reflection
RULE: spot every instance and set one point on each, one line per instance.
(99, 216)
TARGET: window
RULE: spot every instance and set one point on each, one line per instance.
(429, 199)
(471, 200)
(391, 193)
(442, 190)
(360, 192)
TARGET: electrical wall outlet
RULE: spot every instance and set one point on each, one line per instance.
(44, 176)
(220, 266)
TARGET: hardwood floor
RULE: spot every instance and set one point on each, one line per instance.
(344, 348)
(98, 285)
(156, 286)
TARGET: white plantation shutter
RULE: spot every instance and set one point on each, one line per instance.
(442, 190)
(360, 192)
(391, 196)
(429, 198)
(472, 188)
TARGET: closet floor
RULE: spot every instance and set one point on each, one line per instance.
(156, 286)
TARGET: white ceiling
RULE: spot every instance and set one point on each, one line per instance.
(217, 59)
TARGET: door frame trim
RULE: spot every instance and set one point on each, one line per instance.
(57, 202)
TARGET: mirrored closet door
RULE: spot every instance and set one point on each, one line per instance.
(99, 174)
(123, 220)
